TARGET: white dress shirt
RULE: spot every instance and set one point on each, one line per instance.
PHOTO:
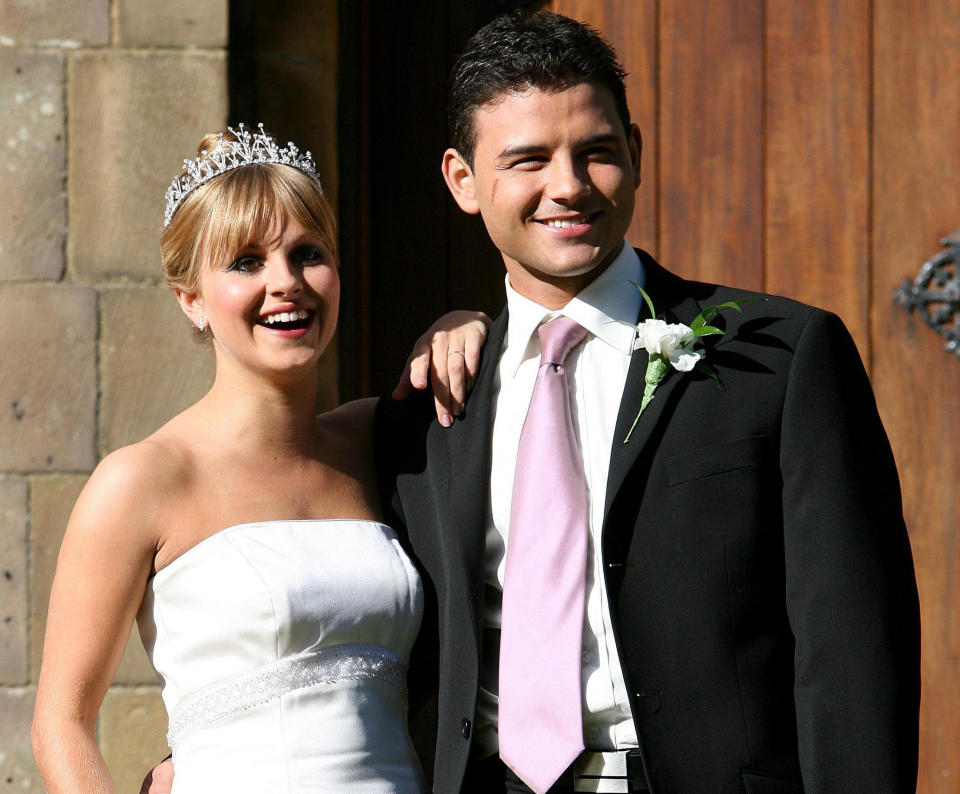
(596, 373)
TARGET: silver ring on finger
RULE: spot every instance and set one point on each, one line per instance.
(455, 353)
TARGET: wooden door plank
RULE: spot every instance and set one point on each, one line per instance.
(817, 165)
(711, 140)
(916, 201)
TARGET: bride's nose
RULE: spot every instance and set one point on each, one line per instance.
(284, 276)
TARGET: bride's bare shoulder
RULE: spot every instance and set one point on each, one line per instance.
(134, 482)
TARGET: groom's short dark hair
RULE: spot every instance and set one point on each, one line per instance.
(522, 50)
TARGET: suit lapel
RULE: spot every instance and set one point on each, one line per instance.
(468, 443)
(671, 299)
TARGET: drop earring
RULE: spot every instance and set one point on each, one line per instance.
(202, 323)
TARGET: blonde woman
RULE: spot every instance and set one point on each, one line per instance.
(244, 534)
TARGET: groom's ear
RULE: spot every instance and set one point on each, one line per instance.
(459, 178)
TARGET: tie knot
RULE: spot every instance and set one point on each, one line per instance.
(557, 338)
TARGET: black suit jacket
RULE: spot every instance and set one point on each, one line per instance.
(757, 565)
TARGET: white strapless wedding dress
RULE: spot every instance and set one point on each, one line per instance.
(283, 648)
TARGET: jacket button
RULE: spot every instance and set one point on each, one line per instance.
(649, 702)
(465, 728)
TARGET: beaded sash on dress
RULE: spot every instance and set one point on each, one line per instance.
(313, 668)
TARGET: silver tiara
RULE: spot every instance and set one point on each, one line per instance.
(248, 149)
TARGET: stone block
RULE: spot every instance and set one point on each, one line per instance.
(151, 366)
(13, 580)
(32, 165)
(175, 23)
(48, 390)
(51, 501)
(133, 118)
(17, 770)
(55, 23)
(132, 734)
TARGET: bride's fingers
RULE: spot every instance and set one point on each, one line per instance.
(416, 371)
(472, 345)
(440, 345)
(441, 400)
(463, 347)
(450, 359)
(420, 365)
(457, 375)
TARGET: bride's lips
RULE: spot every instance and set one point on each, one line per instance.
(291, 322)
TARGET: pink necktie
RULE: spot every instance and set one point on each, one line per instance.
(540, 720)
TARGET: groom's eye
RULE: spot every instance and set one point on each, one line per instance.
(529, 162)
(597, 153)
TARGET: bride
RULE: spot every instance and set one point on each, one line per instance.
(243, 535)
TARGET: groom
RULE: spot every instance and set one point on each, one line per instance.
(723, 599)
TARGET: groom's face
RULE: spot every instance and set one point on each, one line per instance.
(553, 176)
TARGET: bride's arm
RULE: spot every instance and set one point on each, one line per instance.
(447, 356)
(104, 562)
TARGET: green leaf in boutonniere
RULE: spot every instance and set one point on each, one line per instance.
(671, 345)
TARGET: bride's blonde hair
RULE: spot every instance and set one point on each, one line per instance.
(242, 206)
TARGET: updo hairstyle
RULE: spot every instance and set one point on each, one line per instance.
(221, 217)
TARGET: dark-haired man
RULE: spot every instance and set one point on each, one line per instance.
(746, 611)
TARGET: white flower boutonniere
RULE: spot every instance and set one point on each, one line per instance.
(671, 345)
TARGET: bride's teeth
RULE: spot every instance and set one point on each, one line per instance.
(286, 317)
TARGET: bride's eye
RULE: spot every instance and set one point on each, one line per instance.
(244, 264)
(309, 255)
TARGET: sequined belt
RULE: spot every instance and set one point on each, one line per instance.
(312, 668)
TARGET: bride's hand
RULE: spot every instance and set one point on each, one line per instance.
(159, 780)
(447, 356)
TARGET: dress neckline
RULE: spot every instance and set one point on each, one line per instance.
(220, 533)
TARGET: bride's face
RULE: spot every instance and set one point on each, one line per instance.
(273, 307)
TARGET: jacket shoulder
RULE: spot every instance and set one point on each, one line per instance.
(786, 317)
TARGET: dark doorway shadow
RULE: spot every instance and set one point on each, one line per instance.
(409, 254)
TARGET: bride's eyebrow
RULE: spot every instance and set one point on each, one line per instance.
(249, 249)
(308, 239)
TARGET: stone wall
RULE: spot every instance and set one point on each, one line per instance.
(100, 100)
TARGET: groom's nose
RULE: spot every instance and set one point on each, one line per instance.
(567, 180)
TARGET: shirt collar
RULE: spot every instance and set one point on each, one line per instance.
(607, 307)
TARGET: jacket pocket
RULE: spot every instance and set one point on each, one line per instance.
(760, 783)
(730, 456)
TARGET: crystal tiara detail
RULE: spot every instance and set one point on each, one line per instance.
(248, 149)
